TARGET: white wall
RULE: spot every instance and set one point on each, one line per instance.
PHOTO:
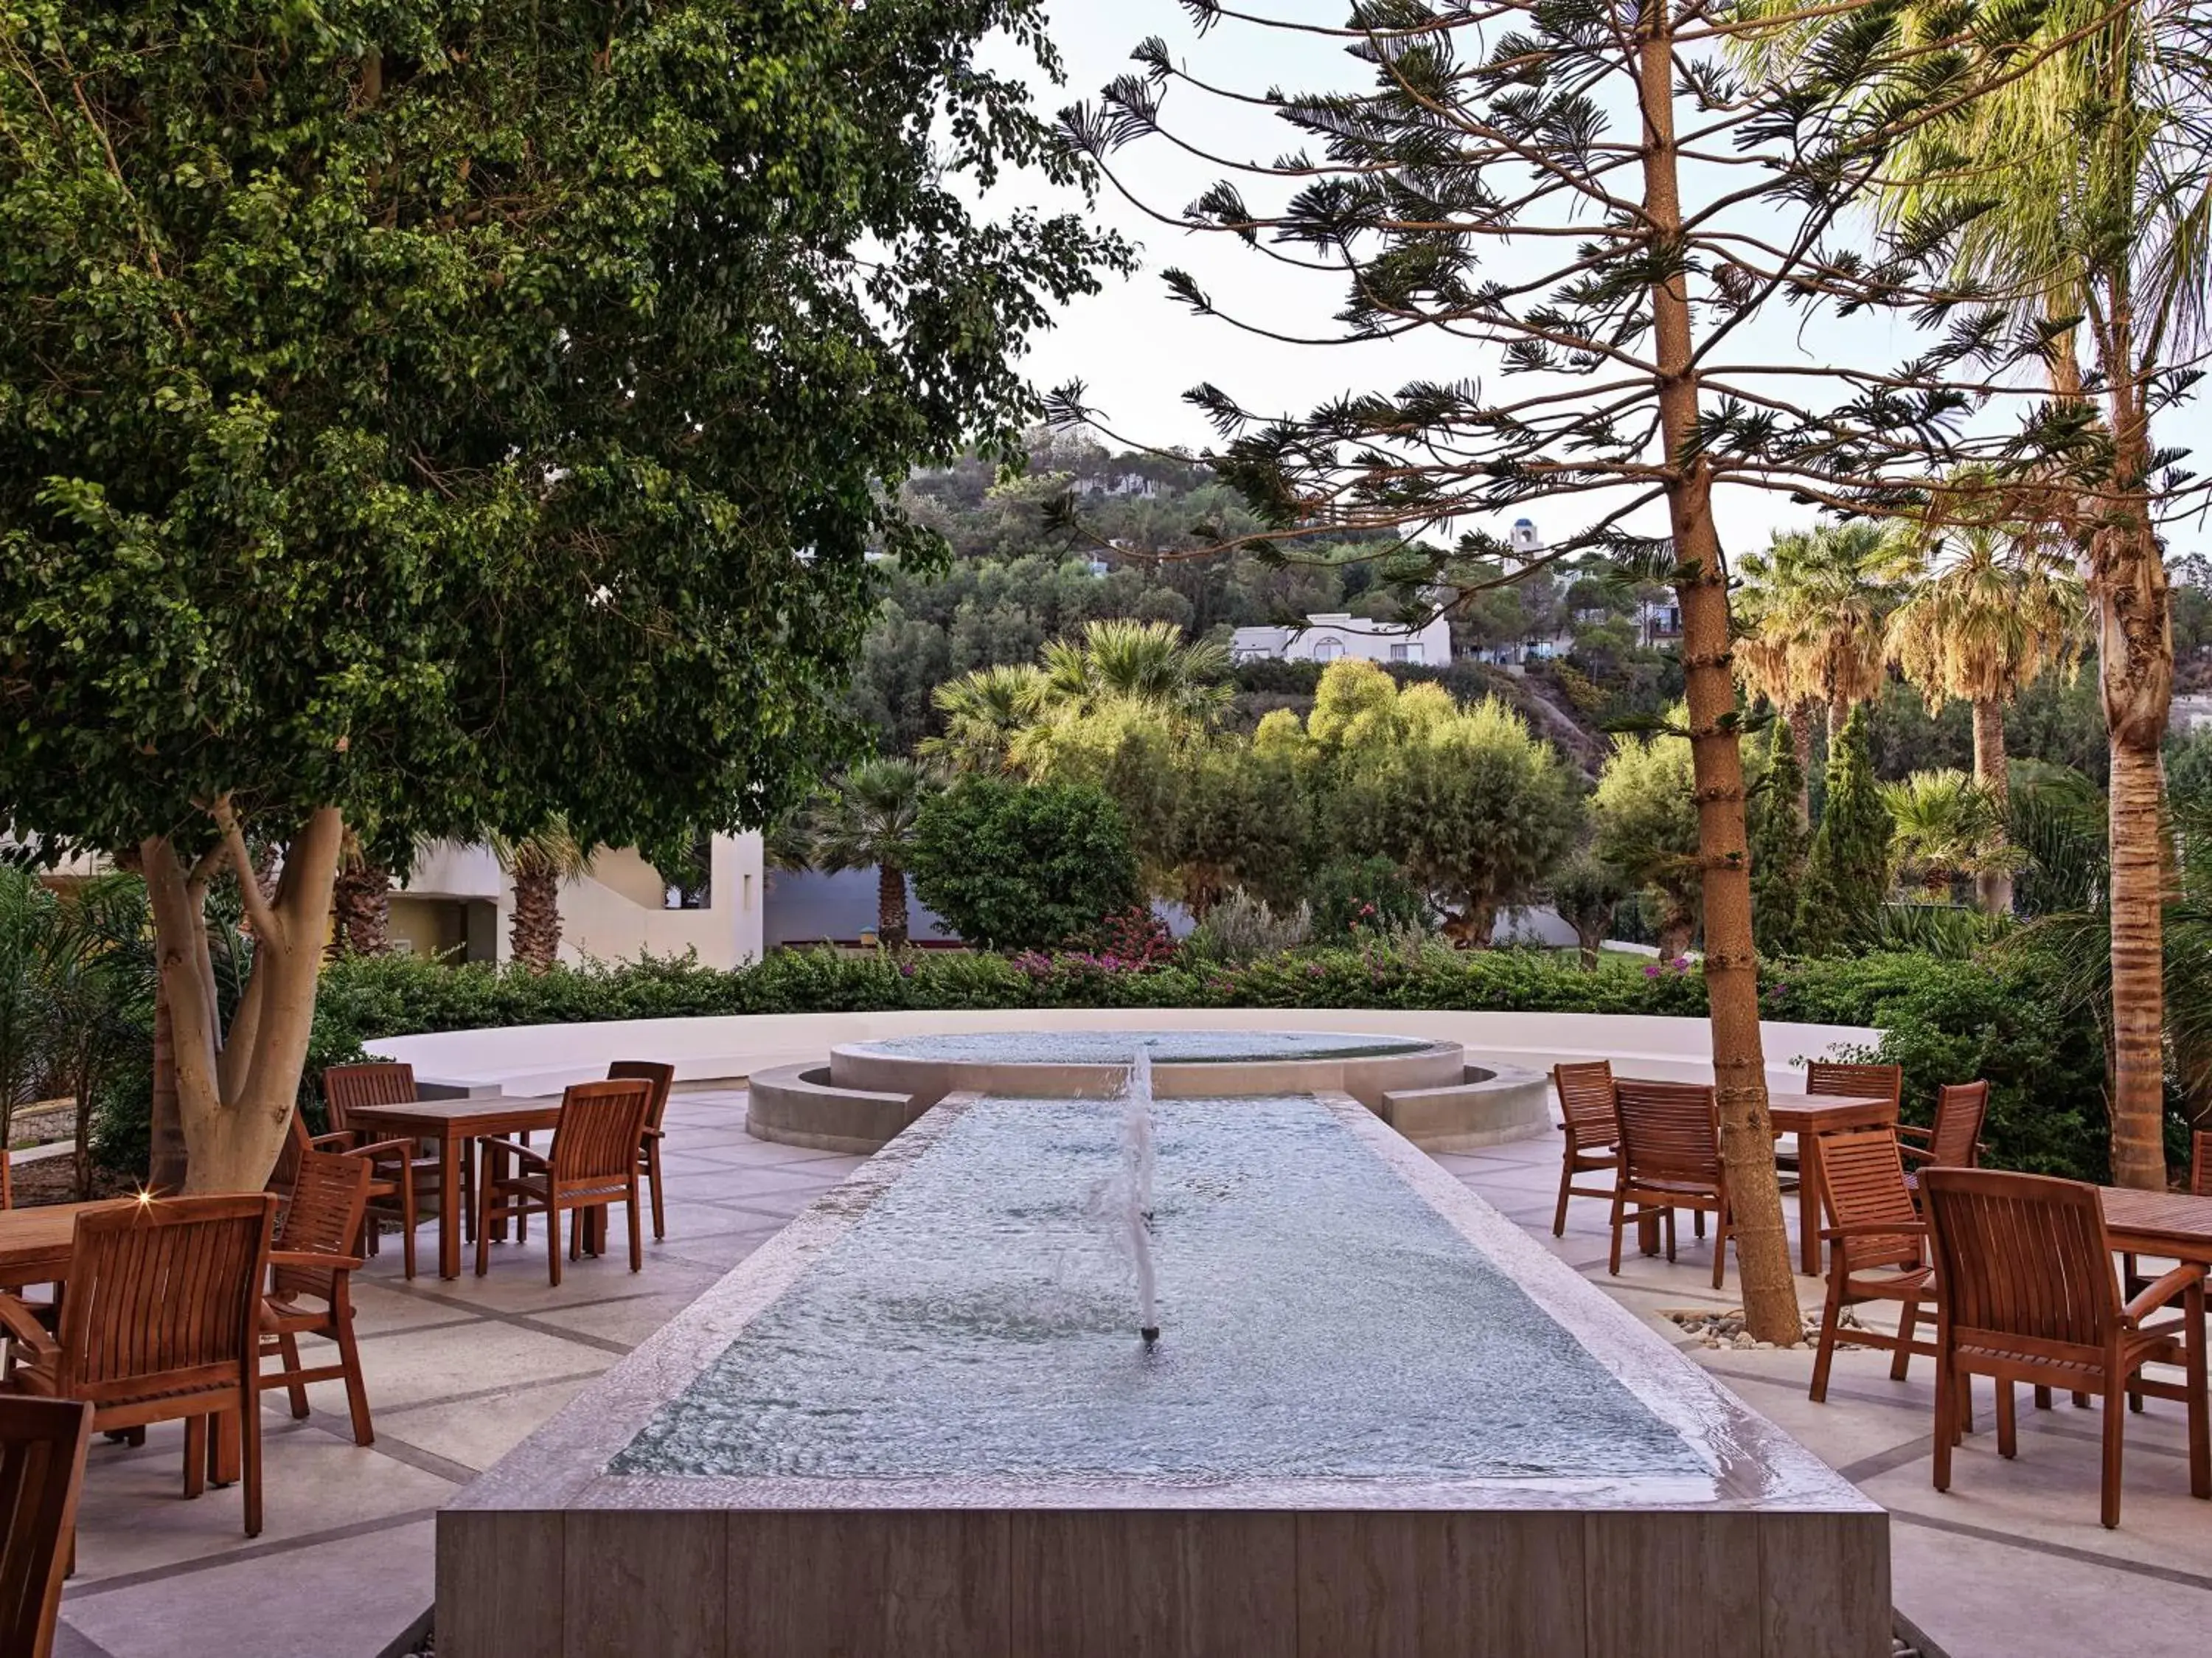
(607, 920)
(1330, 636)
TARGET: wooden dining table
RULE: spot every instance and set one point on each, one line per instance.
(2171, 1225)
(35, 1242)
(456, 1125)
(1809, 1116)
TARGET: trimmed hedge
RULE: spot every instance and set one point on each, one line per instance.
(1946, 1020)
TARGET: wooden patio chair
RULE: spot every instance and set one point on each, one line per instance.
(1877, 1247)
(313, 1257)
(1834, 1077)
(1670, 1159)
(42, 1449)
(161, 1324)
(1954, 1139)
(387, 1184)
(2027, 1292)
(2200, 1163)
(593, 1163)
(407, 1167)
(661, 1078)
(1593, 1131)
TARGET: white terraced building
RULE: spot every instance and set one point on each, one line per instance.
(1325, 638)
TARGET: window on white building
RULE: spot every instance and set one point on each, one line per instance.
(1328, 650)
(1411, 653)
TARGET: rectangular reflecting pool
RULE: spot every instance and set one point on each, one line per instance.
(1379, 1419)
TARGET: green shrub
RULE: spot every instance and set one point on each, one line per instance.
(1024, 866)
(1365, 895)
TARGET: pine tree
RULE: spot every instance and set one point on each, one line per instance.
(1777, 846)
(1847, 873)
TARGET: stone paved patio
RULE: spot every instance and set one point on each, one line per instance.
(2011, 1564)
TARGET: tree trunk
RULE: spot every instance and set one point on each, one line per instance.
(1590, 940)
(891, 907)
(1840, 714)
(361, 908)
(164, 1169)
(1992, 887)
(1770, 1290)
(1801, 739)
(533, 936)
(2135, 664)
(235, 1091)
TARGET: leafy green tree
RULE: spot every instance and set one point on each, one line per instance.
(1024, 866)
(1847, 871)
(1778, 842)
(411, 414)
(1585, 893)
(867, 819)
(1644, 816)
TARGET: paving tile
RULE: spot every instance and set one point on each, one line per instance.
(348, 1598)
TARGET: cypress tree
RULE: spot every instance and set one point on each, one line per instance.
(1777, 847)
(1847, 873)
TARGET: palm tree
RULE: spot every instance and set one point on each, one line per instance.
(539, 862)
(1944, 825)
(361, 902)
(2091, 201)
(1812, 615)
(867, 821)
(1987, 610)
(1147, 663)
(983, 709)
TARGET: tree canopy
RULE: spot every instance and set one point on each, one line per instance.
(443, 417)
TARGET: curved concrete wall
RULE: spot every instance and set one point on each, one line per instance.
(535, 1058)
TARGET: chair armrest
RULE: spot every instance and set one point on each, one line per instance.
(314, 1260)
(513, 1148)
(381, 1149)
(1877, 1229)
(1916, 1153)
(1913, 1131)
(20, 1324)
(2162, 1291)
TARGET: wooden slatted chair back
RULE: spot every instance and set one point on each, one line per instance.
(1586, 1103)
(164, 1296)
(596, 1138)
(42, 1450)
(1863, 1184)
(2200, 1164)
(330, 1192)
(1668, 1131)
(1955, 1140)
(1855, 1081)
(660, 1077)
(348, 1087)
(2022, 1263)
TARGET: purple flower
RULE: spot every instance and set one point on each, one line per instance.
(1681, 964)
(1652, 972)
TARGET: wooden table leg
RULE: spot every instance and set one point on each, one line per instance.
(1808, 1204)
(449, 1213)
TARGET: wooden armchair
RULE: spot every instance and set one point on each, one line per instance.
(1670, 1159)
(1835, 1077)
(407, 1171)
(661, 1078)
(1593, 1131)
(2027, 1291)
(2200, 1163)
(592, 1164)
(1877, 1247)
(1954, 1139)
(161, 1325)
(42, 1449)
(313, 1257)
(386, 1182)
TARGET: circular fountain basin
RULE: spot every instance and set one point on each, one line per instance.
(1080, 1065)
(870, 1091)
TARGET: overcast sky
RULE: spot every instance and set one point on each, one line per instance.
(1138, 349)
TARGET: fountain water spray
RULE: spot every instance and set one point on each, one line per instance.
(1125, 1200)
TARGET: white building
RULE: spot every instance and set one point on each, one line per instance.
(1324, 638)
(457, 903)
